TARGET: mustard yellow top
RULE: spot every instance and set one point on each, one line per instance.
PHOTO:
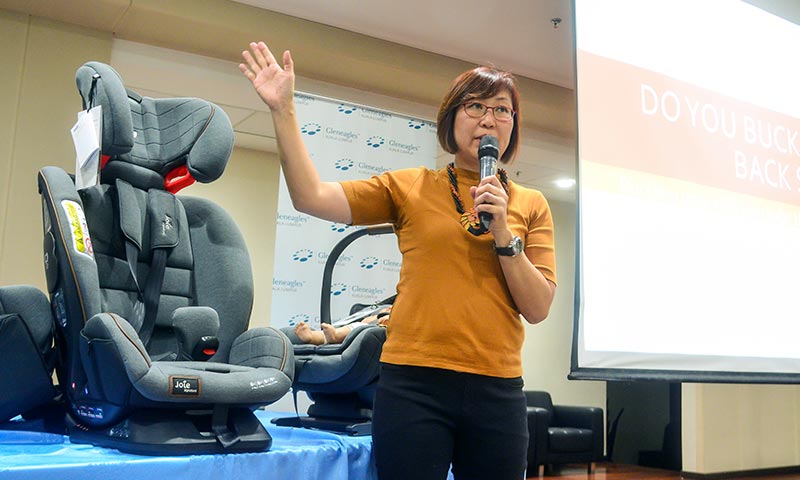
(453, 309)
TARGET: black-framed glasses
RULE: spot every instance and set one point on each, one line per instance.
(478, 110)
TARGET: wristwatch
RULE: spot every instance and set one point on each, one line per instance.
(513, 249)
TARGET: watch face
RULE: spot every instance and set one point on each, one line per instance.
(516, 245)
(512, 250)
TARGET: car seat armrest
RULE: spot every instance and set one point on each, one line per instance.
(196, 330)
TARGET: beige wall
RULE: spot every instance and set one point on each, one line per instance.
(548, 345)
(249, 192)
(39, 103)
(740, 427)
(725, 427)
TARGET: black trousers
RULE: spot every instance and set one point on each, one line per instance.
(426, 419)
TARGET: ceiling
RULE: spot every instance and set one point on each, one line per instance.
(518, 35)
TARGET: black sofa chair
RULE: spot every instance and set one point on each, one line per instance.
(562, 434)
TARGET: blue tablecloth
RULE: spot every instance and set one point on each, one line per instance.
(296, 453)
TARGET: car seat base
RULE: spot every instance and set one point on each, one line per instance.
(171, 432)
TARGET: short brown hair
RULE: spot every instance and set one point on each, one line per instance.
(480, 82)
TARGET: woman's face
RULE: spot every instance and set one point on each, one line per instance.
(469, 130)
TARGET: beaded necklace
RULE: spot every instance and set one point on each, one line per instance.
(470, 220)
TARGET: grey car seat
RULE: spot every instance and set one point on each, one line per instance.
(152, 292)
(26, 340)
(340, 379)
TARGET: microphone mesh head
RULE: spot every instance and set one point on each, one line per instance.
(488, 147)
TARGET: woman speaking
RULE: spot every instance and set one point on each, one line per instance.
(450, 388)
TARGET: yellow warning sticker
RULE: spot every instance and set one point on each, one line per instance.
(81, 242)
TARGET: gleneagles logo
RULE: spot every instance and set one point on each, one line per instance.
(340, 134)
(311, 128)
(302, 255)
(403, 147)
(377, 141)
(338, 289)
(368, 263)
(343, 164)
(346, 109)
(299, 318)
(339, 227)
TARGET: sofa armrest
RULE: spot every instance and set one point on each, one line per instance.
(582, 417)
(538, 423)
(578, 417)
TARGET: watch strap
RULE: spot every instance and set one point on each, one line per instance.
(513, 249)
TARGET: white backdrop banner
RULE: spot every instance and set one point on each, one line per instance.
(346, 142)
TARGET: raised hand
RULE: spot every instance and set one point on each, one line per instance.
(273, 83)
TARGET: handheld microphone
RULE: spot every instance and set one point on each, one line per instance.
(487, 154)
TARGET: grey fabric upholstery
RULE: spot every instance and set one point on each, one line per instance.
(169, 132)
(26, 337)
(191, 325)
(97, 286)
(340, 368)
(32, 306)
(111, 95)
(116, 286)
(340, 379)
(229, 383)
(256, 348)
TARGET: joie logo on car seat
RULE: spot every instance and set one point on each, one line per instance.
(166, 224)
(188, 386)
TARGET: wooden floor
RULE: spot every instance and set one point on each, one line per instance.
(610, 471)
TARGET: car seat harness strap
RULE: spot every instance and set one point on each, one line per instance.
(131, 225)
(162, 212)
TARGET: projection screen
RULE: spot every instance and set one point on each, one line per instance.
(688, 257)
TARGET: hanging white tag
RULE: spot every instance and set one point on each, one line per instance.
(86, 134)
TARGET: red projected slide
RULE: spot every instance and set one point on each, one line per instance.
(675, 129)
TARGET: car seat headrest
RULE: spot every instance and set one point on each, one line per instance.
(155, 143)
